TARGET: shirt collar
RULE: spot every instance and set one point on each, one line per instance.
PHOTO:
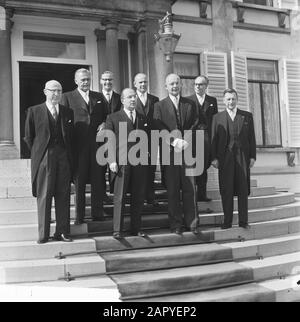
(128, 112)
(105, 93)
(201, 97)
(173, 99)
(141, 94)
(82, 93)
(232, 112)
(50, 107)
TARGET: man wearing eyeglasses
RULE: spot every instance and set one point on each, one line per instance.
(89, 116)
(207, 107)
(49, 135)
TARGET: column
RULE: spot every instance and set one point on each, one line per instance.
(159, 68)
(140, 29)
(112, 50)
(101, 38)
(222, 30)
(8, 149)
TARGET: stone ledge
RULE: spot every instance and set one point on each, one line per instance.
(275, 170)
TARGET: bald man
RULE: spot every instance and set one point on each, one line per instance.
(49, 135)
(127, 177)
(145, 106)
(177, 113)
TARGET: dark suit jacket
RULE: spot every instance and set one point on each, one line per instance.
(114, 105)
(221, 138)
(113, 124)
(86, 118)
(165, 118)
(205, 112)
(37, 135)
(147, 110)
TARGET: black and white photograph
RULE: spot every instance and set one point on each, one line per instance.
(149, 153)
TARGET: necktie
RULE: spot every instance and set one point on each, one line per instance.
(108, 97)
(86, 98)
(176, 102)
(54, 112)
(131, 117)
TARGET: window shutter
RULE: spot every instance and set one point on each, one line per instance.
(292, 77)
(240, 79)
(286, 4)
(214, 66)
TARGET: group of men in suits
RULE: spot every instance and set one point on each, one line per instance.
(61, 134)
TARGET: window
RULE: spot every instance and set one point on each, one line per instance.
(264, 101)
(54, 45)
(260, 2)
(188, 68)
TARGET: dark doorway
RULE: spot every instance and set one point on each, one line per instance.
(33, 77)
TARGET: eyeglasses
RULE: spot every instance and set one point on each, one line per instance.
(54, 90)
(107, 79)
(200, 84)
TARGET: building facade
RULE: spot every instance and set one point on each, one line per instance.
(252, 45)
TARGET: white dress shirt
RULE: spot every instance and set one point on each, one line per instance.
(232, 113)
(107, 95)
(51, 107)
(85, 95)
(175, 100)
(128, 114)
(142, 97)
(200, 98)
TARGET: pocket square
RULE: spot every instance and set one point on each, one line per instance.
(69, 121)
(99, 102)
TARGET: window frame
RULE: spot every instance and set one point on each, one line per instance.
(261, 82)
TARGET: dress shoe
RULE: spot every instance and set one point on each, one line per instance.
(245, 226)
(63, 237)
(226, 226)
(204, 199)
(139, 234)
(42, 241)
(117, 235)
(79, 222)
(176, 231)
(154, 203)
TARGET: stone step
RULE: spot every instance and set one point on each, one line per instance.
(273, 290)
(203, 277)
(25, 250)
(190, 255)
(160, 239)
(27, 203)
(157, 219)
(49, 269)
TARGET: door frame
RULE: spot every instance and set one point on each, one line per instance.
(56, 26)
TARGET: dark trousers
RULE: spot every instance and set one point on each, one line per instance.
(233, 182)
(53, 181)
(130, 178)
(150, 191)
(89, 170)
(201, 185)
(176, 180)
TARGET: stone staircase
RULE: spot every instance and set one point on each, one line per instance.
(260, 264)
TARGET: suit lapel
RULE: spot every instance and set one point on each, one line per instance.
(125, 118)
(171, 111)
(240, 119)
(44, 118)
(80, 98)
(147, 105)
(182, 112)
(140, 106)
(92, 101)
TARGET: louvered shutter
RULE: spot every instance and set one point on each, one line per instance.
(214, 66)
(286, 4)
(292, 79)
(240, 79)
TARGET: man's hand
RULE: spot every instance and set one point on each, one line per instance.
(215, 163)
(179, 145)
(252, 161)
(113, 167)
